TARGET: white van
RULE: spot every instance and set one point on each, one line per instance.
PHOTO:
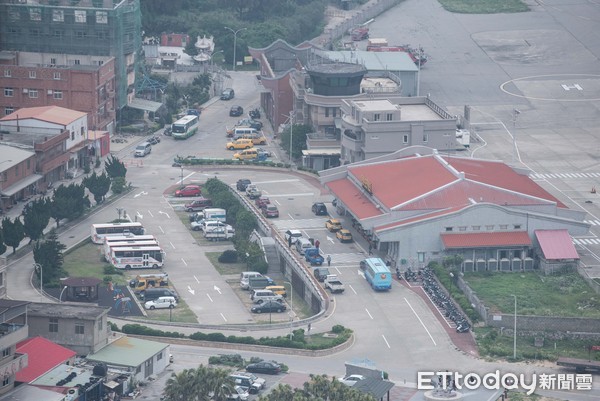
(241, 132)
(215, 214)
(210, 225)
(143, 149)
(245, 278)
(260, 296)
(302, 244)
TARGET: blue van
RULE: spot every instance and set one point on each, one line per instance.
(378, 275)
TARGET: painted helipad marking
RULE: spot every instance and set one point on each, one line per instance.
(503, 87)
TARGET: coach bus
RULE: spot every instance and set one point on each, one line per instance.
(185, 127)
(108, 246)
(378, 275)
(101, 231)
(137, 257)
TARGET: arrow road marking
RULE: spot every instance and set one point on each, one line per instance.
(360, 273)
(140, 194)
(330, 239)
(217, 289)
(165, 213)
(139, 215)
(191, 291)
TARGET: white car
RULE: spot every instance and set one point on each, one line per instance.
(161, 303)
(351, 380)
(294, 234)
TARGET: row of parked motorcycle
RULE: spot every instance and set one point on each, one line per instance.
(438, 296)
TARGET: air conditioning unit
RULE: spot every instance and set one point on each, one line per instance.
(25, 90)
(492, 264)
(480, 265)
(50, 92)
(467, 265)
(517, 264)
(528, 264)
(505, 264)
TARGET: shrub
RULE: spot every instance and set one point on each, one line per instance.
(198, 336)
(228, 256)
(338, 329)
(118, 185)
(219, 337)
(110, 269)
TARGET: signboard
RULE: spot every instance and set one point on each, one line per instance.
(595, 347)
(367, 186)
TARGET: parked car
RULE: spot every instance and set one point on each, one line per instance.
(268, 367)
(189, 190)
(250, 122)
(198, 205)
(242, 143)
(269, 306)
(277, 289)
(254, 193)
(236, 111)
(333, 225)
(242, 184)
(294, 234)
(351, 380)
(344, 235)
(321, 273)
(256, 380)
(227, 94)
(319, 209)
(262, 201)
(265, 152)
(270, 211)
(161, 303)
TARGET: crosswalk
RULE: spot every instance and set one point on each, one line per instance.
(347, 258)
(586, 241)
(592, 222)
(564, 175)
(301, 224)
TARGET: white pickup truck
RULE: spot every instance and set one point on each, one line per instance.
(333, 284)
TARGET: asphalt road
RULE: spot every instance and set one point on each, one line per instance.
(471, 57)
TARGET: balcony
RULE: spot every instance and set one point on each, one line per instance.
(352, 141)
(10, 334)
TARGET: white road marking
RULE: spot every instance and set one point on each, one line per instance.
(290, 195)
(217, 289)
(191, 291)
(386, 341)
(196, 278)
(368, 313)
(422, 324)
(223, 316)
(209, 297)
(352, 288)
(184, 262)
(150, 213)
(276, 201)
(138, 215)
(172, 246)
(165, 213)
(360, 273)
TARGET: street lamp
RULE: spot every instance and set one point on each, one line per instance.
(291, 309)
(514, 135)
(515, 329)
(60, 296)
(181, 182)
(234, 42)
(291, 120)
(37, 266)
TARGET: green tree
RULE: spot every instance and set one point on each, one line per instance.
(62, 204)
(114, 167)
(49, 254)
(13, 232)
(98, 185)
(36, 216)
(118, 185)
(2, 246)
(200, 384)
(298, 134)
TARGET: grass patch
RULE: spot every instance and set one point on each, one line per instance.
(180, 314)
(85, 260)
(225, 268)
(484, 6)
(554, 295)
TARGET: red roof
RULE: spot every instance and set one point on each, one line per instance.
(556, 244)
(354, 198)
(43, 355)
(486, 240)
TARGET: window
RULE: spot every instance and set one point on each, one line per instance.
(376, 117)
(32, 74)
(1, 279)
(504, 226)
(56, 74)
(81, 34)
(7, 111)
(5, 352)
(159, 356)
(34, 32)
(462, 228)
(28, 166)
(389, 117)
(448, 228)
(100, 325)
(58, 15)
(7, 73)
(80, 16)
(35, 14)
(101, 35)
(101, 17)
(421, 257)
(58, 33)
(76, 62)
(57, 95)
(489, 228)
(425, 138)
(53, 327)
(33, 93)
(53, 62)
(334, 112)
(404, 138)
(14, 15)
(72, 135)
(9, 92)
(13, 30)
(517, 226)
(326, 111)
(476, 228)
(17, 170)
(6, 382)
(79, 328)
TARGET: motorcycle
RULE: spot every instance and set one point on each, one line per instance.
(255, 113)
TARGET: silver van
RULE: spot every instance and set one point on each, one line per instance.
(260, 296)
(143, 149)
(244, 132)
(302, 244)
(245, 279)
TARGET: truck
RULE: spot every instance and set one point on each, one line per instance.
(580, 365)
(220, 233)
(144, 281)
(333, 284)
(359, 33)
(313, 256)
(215, 214)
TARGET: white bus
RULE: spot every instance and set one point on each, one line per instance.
(185, 127)
(122, 244)
(137, 257)
(101, 231)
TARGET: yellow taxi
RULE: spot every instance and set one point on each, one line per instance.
(246, 154)
(344, 235)
(242, 143)
(333, 225)
(277, 289)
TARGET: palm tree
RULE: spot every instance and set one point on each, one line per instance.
(182, 386)
(219, 383)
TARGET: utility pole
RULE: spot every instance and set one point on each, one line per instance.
(234, 42)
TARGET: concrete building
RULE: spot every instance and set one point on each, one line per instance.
(35, 124)
(94, 28)
(84, 83)
(81, 328)
(372, 128)
(13, 328)
(416, 205)
(18, 169)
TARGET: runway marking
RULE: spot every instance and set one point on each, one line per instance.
(353, 290)
(368, 313)
(223, 316)
(386, 341)
(422, 324)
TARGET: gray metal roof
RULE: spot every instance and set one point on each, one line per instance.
(373, 61)
(66, 311)
(378, 388)
(11, 156)
(128, 351)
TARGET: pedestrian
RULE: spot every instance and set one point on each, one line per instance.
(328, 260)
(370, 249)
(290, 241)
(309, 327)
(317, 243)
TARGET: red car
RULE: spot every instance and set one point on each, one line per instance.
(189, 190)
(198, 205)
(270, 211)
(262, 202)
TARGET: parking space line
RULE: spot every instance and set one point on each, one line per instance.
(161, 230)
(209, 297)
(353, 290)
(368, 313)
(386, 341)
(150, 213)
(422, 324)
(172, 246)
(223, 316)
(184, 262)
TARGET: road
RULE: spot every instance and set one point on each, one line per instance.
(471, 57)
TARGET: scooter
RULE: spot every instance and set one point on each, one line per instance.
(255, 113)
